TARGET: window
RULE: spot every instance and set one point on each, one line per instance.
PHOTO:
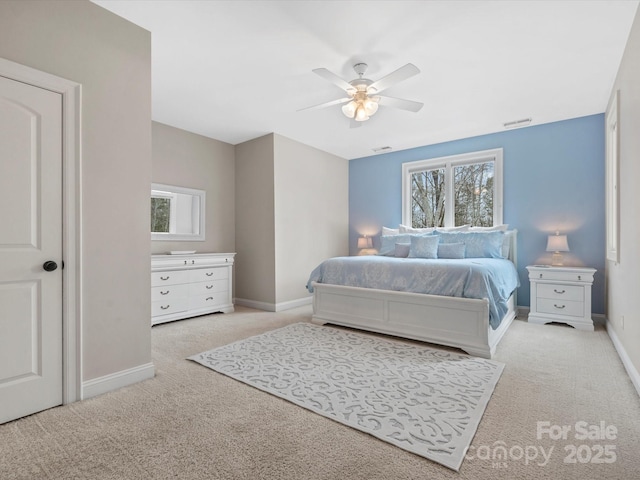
(452, 191)
(163, 206)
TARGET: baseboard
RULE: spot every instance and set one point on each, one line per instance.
(522, 313)
(599, 319)
(114, 381)
(273, 307)
(300, 302)
(626, 361)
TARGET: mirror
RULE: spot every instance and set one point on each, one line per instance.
(177, 213)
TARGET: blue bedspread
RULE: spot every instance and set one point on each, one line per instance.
(492, 278)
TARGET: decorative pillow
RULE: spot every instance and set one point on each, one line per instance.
(451, 250)
(402, 250)
(390, 231)
(424, 246)
(388, 243)
(477, 244)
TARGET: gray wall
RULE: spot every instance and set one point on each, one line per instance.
(255, 228)
(311, 213)
(623, 279)
(291, 213)
(111, 58)
(188, 160)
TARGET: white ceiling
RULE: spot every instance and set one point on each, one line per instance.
(237, 70)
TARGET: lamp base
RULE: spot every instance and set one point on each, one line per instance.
(556, 259)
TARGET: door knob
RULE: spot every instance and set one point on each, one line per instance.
(50, 265)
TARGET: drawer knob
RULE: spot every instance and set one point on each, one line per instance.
(209, 287)
(540, 275)
(559, 291)
(164, 307)
(579, 277)
(164, 278)
(558, 306)
(164, 293)
(209, 274)
(209, 298)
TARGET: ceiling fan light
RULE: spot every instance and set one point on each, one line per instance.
(361, 114)
(350, 109)
(370, 106)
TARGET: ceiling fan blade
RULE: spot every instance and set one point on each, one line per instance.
(408, 71)
(400, 103)
(326, 104)
(333, 78)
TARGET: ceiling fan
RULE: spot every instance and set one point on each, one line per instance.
(362, 98)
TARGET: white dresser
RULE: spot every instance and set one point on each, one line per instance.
(561, 294)
(188, 285)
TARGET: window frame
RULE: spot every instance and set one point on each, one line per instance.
(448, 163)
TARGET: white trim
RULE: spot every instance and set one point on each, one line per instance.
(612, 196)
(273, 307)
(113, 381)
(300, 302)
(72, 217)
(626, 361)
(495, 155)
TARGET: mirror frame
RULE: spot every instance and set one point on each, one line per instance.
(182, 237)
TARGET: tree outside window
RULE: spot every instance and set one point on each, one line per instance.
(452, 191)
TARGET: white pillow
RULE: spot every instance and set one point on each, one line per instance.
(406, 229)
(496, 228)
(390, 231)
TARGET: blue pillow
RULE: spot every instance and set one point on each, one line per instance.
(402, 250)
(424, 246)
(451, 250)
(477, 244)
(388, 243)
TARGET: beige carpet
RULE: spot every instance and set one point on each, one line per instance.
(191, 423)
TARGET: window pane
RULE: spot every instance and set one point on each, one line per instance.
(473, 187)
(427, 198)
(160, 214)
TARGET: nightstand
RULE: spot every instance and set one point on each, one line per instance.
(561, 294)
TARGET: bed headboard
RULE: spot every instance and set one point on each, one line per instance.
(511, 238)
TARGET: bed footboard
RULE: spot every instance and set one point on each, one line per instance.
(451, 321)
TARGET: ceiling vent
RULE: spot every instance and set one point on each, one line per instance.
(518, 123)
(382, 149)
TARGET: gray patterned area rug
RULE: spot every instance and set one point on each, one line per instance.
(423, 400)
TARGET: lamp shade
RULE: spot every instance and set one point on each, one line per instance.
(365, 242)
(557, 243)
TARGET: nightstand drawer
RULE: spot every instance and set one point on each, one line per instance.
(562, 276)
(560, 307)
(560, 292)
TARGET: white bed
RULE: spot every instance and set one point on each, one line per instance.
(452, 321)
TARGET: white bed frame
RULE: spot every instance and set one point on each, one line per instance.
(452, 321)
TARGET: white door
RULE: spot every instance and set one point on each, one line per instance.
(30, 236)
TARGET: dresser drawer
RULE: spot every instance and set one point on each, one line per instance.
(169, 278)
(169, 292)
(166, 307)
(204, 288)
(209, 300)
(560, 307)
(207, 274)
(561, 292)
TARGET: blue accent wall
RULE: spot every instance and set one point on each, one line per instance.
(553, 180)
